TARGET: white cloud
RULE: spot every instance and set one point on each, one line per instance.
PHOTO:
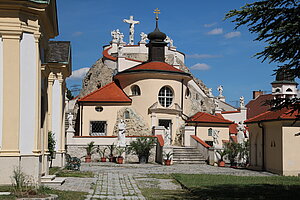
(216, 31)
(232, 34)
(202, 56)
(200, 66)
(79, 73)
(209, 25)
(77, 34)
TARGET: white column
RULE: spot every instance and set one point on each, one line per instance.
(1, 89)
(56, 114)
(28, 85)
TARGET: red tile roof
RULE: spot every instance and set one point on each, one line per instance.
(220, 115)
(283, 114)
(107, 55)
(233, 129)
(256, 107)
(157, 66)
(108, 93)
(208, 118)
(233, 111)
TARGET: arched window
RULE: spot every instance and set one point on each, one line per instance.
(126, 115)
(289, 90)
(210, 132)
(135, 90)
(277, 90)
(165, 96)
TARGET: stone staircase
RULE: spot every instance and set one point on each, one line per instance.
(187, 155)
(52, 180)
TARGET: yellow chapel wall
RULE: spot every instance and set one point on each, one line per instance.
(202, 132)
(291, 143)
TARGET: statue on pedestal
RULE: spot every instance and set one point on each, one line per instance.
(121, 135)
(242, 102)
(215, 135)
(143, 38)
(220, 89)
(167, 137)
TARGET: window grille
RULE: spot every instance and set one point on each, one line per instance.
(98, 128)
(126, 115)
(165, 96)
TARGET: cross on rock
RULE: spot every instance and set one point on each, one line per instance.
(131, 23)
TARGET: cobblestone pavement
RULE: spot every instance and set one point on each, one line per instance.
(162, 169)
(113, 181)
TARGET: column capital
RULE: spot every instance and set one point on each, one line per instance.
(11, 35)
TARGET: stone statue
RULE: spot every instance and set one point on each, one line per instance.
(215, 136)
(70, 119)
(143, 37)
(114, 35)
(242, 102)
(220, 89)
(121, 135)
(167, 137)
(242, 134)
(131, 23)
(210, 92)
(121, 38)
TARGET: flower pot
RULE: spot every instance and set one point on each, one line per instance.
(88, 158)
(120, 160)
(142, 159)
(168, 162)
(103, 159)
(221, 164)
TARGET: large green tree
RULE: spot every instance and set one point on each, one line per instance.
(277, 23)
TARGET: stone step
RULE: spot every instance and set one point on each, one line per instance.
(179, 159)
(56, 181)
(48, 177)
(190, 162)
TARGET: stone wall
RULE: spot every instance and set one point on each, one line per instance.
(98, 76)
(135, 124)
(80, 152)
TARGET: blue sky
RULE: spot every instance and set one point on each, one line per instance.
(215, 52)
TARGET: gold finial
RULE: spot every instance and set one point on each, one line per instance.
(156, 11)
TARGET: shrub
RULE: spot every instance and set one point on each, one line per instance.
(142, 147)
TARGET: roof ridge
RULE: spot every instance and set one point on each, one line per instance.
(96, 90)
(261, 114)
(214, 116)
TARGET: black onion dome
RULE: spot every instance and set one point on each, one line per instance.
(157, 35)
(284, 75)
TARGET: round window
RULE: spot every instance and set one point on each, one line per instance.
(99, 108)
(165, 96)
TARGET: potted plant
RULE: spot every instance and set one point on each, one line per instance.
(221, 162)
(142, 147)
(111, 148)
(120, 158)
(232, 150)
(102, 154)
(168, 157)
(89, 151)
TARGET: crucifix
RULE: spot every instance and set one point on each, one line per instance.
(156, 11)
(131, 23)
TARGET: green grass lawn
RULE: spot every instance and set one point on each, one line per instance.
(240, 187)
(65, 195)
(70, 173)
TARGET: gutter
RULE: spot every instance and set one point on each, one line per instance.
(263, 144)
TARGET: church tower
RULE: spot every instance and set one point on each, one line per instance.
(156, 46)
(284, 86)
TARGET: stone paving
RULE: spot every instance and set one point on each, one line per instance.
(113, 181)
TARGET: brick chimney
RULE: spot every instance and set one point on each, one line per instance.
(257, 93)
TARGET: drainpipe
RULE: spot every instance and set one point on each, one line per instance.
(182, 95)
(81, 117)
(263, 144)
(196, 129)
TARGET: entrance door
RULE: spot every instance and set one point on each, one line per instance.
(167, 123)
